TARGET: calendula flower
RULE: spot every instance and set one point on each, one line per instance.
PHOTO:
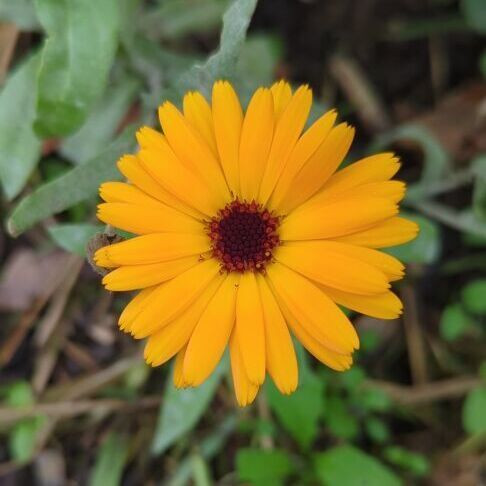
(248, 233)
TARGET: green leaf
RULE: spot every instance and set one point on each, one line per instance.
(454, 322)
(110, 461)
(475, 13)
(222, 63)
(300, 412)
(346, 465)
(22, 439)
(374, 399)
(159, 66)
(339, 420)
(257, 63)
(76, 60)
(474, 240)
(414, 463)
(19, 394)
(461, 220)
(482, 370)
(102, 124)
(370, 339)
(263, 467)
(19, 146)
(423, 249)
(175, 19)
(20, 12)
(182, 409)
(73, 237)
(352, 378)
(479, 193)
(473, 416)
(474, 296)
(377, 430)
(201, 473)
(207, 448)
(76, 185)
(436, 160)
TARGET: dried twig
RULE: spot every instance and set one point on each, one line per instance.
(414, 336)
(360, 93)
(91, 383)
(266, 440)
(27, 319)
(80, 356)
(53, 314)
(432, 392)
(68, 409)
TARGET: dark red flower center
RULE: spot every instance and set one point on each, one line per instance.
(243, 236)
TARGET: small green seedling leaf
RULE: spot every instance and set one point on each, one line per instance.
(454, 322)
(473, 297)
(261, 467)
(473, 411)
(347, 465)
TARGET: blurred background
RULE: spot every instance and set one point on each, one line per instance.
(77, 404)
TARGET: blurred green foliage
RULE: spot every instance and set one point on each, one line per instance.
(23, 436)
(110, 461)
(103, 65)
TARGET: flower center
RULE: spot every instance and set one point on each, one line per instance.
(243, 236)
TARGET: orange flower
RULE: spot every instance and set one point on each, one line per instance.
(247, 233)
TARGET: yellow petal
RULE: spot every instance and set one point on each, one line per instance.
(280, 354)
(198, 112)
(256, 139)
(153, 248)
(133, 308)
(388, 264)
(126, 193)
(245, 390)
(287, 131)
(179, 180)
(323, 264)
(382, 306)
(393, 231)
(212, 332)
(313, 309)
(143, 220)
(170, 299)
(394, 191)
(132, 277)
(164, 344)
(282, 94)
(336, 361)
(135, 171)
(228, 119)
(376, 168)
(305, 147)
(192, 151)
(178, 377)
(319, 167)
(250, 328)
(335, 218)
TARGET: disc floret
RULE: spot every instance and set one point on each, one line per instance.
(244, 235)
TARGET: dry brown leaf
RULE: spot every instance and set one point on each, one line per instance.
(459, 121)
(28, 276)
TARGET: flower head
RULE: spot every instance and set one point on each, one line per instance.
(249, 233)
